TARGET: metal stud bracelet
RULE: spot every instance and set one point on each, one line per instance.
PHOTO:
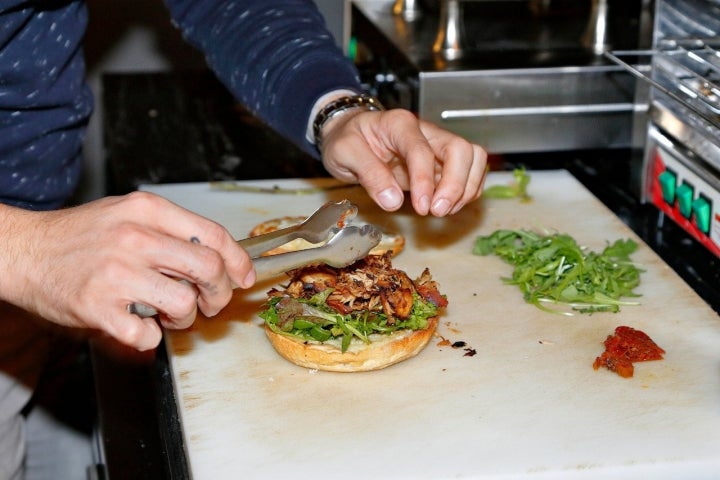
(339, 107)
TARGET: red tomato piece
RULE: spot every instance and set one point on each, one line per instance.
(626, 346)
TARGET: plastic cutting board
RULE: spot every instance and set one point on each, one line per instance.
(527, 405)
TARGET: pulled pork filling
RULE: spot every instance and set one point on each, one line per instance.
(370, 284)
(368, 297)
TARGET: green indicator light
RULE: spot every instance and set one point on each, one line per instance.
(701, 209)
(352, 49)
(667, 181)
(684, 194)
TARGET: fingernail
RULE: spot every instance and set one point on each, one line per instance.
(249, 279)
(424, 204)
(457, 208)
(441, 207)
(390, 198)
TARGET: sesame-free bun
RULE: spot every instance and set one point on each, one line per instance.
(390, 241)
(383, 351)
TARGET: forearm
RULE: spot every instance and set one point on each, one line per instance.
(20, 236)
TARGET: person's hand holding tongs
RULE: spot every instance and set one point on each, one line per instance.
(344, 245)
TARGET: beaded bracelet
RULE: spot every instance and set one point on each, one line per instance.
(339, 107)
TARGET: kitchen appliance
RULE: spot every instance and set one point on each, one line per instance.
(681, 173)
(512, 75)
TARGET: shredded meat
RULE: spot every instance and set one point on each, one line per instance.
(369, 284)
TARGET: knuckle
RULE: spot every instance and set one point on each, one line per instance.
(129, 235)
(215, 234)
(400, 115)
(479, 153)
(213, 263)
(184, 302)
(464, 148)
(139, 199)
(130, 332)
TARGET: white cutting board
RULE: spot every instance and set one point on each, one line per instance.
(527, 405)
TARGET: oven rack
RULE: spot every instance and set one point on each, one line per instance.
(687, 70)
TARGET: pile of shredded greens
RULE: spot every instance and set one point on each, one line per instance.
(313, 319)
(555, 269)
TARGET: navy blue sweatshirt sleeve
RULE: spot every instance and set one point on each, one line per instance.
(44, 101)
(276, 56)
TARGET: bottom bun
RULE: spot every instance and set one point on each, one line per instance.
(383, 351)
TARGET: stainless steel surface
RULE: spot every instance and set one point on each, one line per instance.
(689, 131)
(407, 9)
(538, 109)
(511, 75)
(679, 74)
(349, 245)
(686, 19)
(449, 40)
(692, 70)
(596, 35)
(315, 229)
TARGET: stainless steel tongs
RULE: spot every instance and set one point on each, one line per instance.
(343, 245)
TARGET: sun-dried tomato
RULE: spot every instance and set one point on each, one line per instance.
(625, 346)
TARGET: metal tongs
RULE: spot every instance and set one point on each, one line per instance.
(343, 245)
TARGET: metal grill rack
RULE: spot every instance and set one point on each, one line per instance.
(685, 100)
(687, 70)
(692, 69)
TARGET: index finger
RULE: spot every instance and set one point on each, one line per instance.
(410, 143)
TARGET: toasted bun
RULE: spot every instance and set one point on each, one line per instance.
(383, 351)
(277, 224)
(394, 242)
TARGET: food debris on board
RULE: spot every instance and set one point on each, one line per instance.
(626, 346)
(469, 351)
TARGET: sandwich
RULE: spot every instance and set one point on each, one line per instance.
(363, 317)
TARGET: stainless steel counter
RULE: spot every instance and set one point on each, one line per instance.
(525, 82)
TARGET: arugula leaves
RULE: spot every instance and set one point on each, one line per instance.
(555, 269)
(516, 189)
(313, 319)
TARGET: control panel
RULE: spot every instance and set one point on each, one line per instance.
(684, 188)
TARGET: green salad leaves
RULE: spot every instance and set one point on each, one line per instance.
(312, 319)
(555, 269)
(515, 189)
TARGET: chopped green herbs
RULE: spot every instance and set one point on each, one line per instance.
(555, 269)
(516, 189)
(313, 319)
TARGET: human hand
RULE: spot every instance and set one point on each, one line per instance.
(393, 151)
(82, 266)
